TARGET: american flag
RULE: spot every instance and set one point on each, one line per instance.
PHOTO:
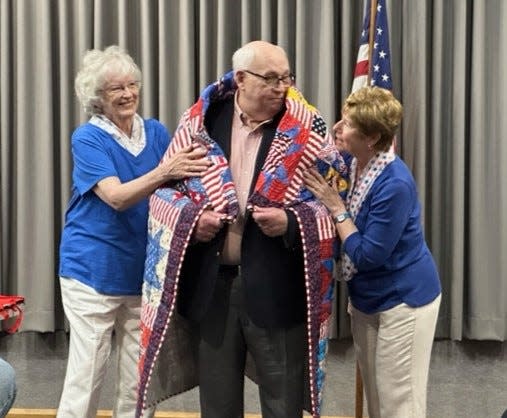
(379, 69)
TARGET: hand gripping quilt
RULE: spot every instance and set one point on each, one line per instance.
(166, 366)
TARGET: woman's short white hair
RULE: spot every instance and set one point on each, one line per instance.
(97, 66)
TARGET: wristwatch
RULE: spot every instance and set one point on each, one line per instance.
(338, 219)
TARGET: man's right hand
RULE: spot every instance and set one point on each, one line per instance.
(208, 225)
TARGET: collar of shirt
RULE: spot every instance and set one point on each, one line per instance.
(246, 120)
(134, 143)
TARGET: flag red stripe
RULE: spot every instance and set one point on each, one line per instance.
(361, 68)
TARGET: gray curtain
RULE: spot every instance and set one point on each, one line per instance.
(447, 70)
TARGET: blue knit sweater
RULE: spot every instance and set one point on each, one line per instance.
(389, 250)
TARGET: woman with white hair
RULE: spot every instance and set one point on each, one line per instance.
(117, 166)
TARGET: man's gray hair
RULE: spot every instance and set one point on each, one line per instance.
(243, 57)
(97, 66)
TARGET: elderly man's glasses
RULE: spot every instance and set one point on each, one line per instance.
(273, 80)
(118, 89)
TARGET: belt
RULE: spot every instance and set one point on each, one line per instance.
(228, 271)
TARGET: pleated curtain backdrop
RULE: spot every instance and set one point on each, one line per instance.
(446, 63)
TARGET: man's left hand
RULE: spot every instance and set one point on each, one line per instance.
(272, 221)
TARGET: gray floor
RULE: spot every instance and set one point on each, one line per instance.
(467, 379)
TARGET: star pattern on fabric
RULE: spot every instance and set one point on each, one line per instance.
(380, 58)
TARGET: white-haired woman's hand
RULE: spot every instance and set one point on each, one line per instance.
(188, 162)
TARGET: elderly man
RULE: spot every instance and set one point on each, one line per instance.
(242, 257)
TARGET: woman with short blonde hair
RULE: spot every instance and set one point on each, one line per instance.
(392, 279)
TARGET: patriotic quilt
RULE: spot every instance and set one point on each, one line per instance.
(167, 365)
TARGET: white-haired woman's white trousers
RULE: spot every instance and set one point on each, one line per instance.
(93, 317)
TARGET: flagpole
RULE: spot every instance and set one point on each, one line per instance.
(371, 37)
(371, 40)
